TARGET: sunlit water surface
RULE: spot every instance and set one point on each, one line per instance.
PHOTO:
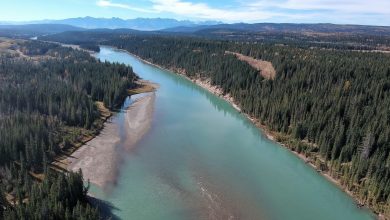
(204, 160)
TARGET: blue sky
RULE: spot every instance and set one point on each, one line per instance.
(376, 12)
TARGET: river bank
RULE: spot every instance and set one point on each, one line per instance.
(96, 154)
(99, 157)
(272, 135)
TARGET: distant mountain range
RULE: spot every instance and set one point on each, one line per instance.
(29, 30)
(175, 27)
(144, 24)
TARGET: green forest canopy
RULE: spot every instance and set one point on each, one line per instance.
(47, 103)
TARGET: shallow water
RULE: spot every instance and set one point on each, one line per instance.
(204, 160)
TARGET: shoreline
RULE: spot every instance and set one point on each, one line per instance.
(271, 135)
(60, 161)
(79, 154)
(100, 158)
(138, 119)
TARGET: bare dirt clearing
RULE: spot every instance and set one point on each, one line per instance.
(265, 67)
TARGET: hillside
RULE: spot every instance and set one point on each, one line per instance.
(31, 30)
(287, 27)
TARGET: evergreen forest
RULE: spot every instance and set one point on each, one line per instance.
(48, 104)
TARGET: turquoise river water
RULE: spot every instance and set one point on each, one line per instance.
(202, 159)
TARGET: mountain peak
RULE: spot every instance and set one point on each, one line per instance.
(145, 24)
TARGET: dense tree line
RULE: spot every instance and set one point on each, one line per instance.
(91, 47)
(47, 102)
(31, 48)
(309, 39)
(331, 40)
(59, 196)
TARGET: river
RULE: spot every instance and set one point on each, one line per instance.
(202, 159)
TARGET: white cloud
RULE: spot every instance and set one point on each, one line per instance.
(107, 3)
(203, 11)
(336, 11)
(346, 6)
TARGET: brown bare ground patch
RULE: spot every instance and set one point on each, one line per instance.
(104, 112)
(264, 67)
(321, 34)
(11, 47)
(6, 46)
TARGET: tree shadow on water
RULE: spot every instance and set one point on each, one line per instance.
(105, 208)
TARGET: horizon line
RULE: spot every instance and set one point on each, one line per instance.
(30, 22)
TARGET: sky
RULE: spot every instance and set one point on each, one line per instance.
(373, 12)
